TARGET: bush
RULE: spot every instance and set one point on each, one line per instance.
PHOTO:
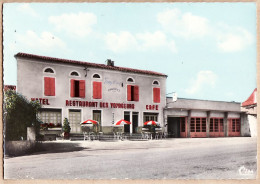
(19, 113)
(66, 125)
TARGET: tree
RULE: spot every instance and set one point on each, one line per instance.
(66, 125)
(20, 113)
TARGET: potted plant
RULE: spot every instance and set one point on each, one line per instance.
(66, 128)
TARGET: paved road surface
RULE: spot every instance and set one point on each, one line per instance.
(197, 158)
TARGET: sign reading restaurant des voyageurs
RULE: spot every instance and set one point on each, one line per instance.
(77, 103)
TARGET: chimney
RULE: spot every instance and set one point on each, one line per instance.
(110, 62)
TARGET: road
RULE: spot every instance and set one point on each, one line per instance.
(197, 158)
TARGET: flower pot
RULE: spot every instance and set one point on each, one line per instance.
(66, 135)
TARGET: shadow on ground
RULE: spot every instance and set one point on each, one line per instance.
(50, 147)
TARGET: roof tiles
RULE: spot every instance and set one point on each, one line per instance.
(251, 100)
(87, 64)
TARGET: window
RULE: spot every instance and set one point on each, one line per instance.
(49, 86)
(97, 90)
(74, 73)
(130, 79)
(96, 76)
(150, 117)
(132, 93)
(198, 125)
(156, 95)
(155, 82)
(48, 70)
(77, 88)
(50, 116)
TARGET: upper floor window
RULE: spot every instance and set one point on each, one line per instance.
(96, 76)
(156, 95)
(97, 90)
(74, 73)
(48, 70)
(155, 82)
(132, 93)
(77, 88)
(130, 79)
(49, 86)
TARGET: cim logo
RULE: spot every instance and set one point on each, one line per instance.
(244, 171)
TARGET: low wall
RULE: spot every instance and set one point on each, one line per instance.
(15, 148)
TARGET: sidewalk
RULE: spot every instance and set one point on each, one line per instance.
(176, 143)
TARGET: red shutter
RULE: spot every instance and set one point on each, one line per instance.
(82, 88)
(47, 86)
(52, 86)
(129, 93)
(72, 88)
(97, 90)
(156, 95)
(136, 93)
(100, 90)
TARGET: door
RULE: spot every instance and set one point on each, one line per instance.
(198, 127)
(173, 127)
(135, 122)
(127, 118)
(234, 127)
(216, 128)
(74, 120)
(183, 127)
(97, 117)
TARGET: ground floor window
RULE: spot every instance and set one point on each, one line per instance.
(150, 117)
(50, 117)
(198, 125)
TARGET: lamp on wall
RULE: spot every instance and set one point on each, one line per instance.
(86, 70)
(174, 97)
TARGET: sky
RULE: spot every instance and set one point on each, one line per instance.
(208, 50)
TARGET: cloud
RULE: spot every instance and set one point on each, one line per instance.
(79, 24)
(204, 79)
(189, 26)
(46, 41)
(125, 41)
(120, 42)
(27, 9)
(181, 24)
(154, 40)
(232, 39)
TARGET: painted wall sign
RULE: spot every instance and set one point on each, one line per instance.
(43, 101)
(152, 107)
(77, 103)
(112, 82)
(113, 90)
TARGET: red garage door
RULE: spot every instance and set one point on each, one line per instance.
(216, 127)
(234, 127)
(198, 127)
(183, 127)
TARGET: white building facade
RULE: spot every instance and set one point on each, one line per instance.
(80, 90)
